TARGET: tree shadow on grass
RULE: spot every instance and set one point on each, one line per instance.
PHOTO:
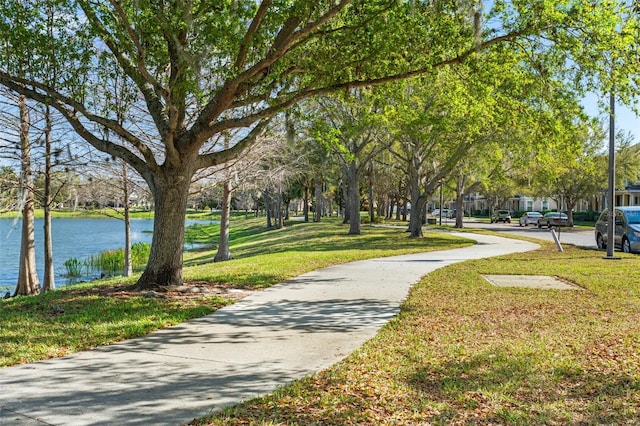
(498, 387)
(186, 371)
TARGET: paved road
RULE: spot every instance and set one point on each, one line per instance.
(582, 238)
(264, 341)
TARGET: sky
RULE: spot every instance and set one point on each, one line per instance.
(625, 119)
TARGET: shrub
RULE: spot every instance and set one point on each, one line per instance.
(112, 261)
(73, 267)
(108, 262)
(586, 216)
(364, 219)
(140, 254)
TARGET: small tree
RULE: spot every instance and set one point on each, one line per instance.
(350, 128)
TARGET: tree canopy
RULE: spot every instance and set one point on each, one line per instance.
(198, 70)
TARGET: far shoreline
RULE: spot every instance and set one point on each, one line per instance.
(110, 213)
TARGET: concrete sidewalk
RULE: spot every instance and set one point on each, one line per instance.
(248, 349)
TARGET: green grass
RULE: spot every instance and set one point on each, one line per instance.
(66, 321)
(81, 317)
(460, 352)
(266, 257)
(464, 352)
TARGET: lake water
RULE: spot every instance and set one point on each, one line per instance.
(79, 238)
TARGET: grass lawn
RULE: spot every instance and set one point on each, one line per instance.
(85, 316)
(464, 352)
(460, 352)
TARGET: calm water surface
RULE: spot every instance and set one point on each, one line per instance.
(79, 238)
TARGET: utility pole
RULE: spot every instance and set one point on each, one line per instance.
(611, 221)
(440, 213)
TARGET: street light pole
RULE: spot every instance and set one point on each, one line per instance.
(612, 177)
(440, 221)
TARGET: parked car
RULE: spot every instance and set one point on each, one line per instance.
(626, 229)
(501, 216)
(553, 219)
(445, 213)
(529, 218)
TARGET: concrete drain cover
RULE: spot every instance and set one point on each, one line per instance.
(543, 282)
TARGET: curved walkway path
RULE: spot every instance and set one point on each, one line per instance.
(264, 341)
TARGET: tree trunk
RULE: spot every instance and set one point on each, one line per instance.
(418, 203)
(267, 208)
(128, 266)
(460, 201)
(415, 218)
(347, 202)
(165, 260)
(405, 209)
(371, 211)
(224, 253)
(306, 203)
(128, 261)
(28, 282)
(279, 216)
(396, 202)
(317, 211)
(459, 211)
(570, 206)
(287, 206)
(353, 205)
(49, 282)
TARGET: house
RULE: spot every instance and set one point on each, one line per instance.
(531, 204)
(629, 196)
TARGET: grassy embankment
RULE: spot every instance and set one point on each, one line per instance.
(465, 352)
(75, 318)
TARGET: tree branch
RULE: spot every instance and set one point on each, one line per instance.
(253, 28)
(138, 46)
(281, 45)
(152, 91)
(220, 157)
(287, 37)
(69, 109)
(292, 98)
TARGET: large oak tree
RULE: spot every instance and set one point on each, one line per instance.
(203, 68)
